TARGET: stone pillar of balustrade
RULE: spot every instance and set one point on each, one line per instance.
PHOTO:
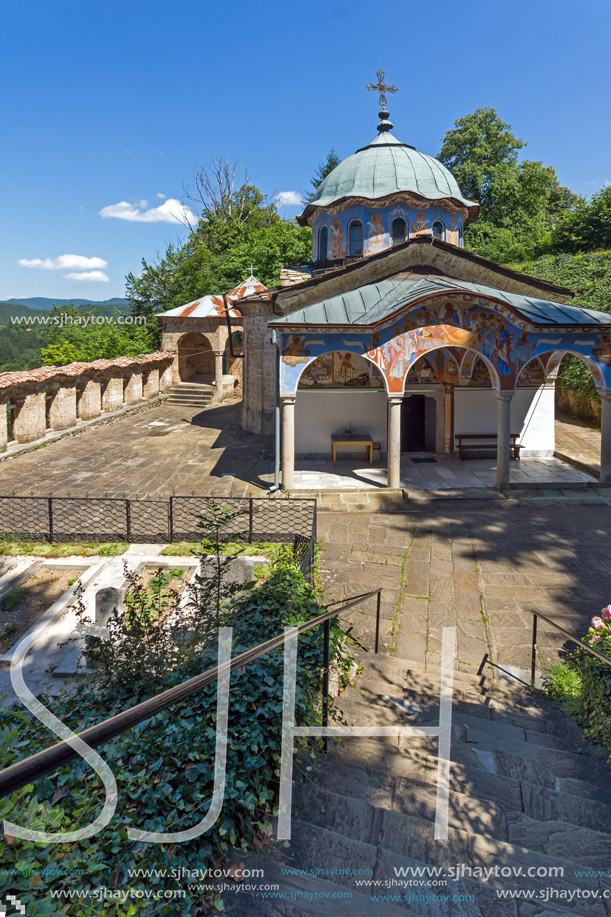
(3, 427)
(132, 391)
(62, 410)
(112, 394)
(30, 418)
(150, 389)
(89, 403)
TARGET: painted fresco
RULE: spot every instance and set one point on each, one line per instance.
(439, 366)
(505, 341)
(341, 369)
(532, 375)
(377, 226)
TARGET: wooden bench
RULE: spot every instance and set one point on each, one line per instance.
(470, 443)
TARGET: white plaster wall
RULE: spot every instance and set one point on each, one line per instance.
(318, 415)
(532, 416)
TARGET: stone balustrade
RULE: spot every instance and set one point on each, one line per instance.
(35, 401)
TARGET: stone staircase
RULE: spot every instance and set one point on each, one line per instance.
(526, 791)
(191, 394)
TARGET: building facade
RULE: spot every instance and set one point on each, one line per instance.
(398, 330)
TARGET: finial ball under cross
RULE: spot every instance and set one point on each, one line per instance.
(381, 87)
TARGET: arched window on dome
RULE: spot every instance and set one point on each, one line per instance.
(438, 229)
(355, 238)
(323, 244)
(398, 230)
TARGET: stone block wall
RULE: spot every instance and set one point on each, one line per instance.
(53, 398)
(259, 397)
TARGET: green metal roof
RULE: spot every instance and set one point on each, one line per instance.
(375, 302)
(387, 166)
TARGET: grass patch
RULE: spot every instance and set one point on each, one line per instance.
(54, 549)
(562, 682)
(271, 550)
(12, 600)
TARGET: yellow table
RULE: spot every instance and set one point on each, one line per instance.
(357, 439)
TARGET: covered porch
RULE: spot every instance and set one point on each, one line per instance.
(413, 365)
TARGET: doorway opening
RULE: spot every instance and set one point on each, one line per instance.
(418, 422)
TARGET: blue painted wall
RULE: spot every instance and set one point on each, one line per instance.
(377, 227)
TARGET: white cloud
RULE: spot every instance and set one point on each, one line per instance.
(63, 263)
(289, 199)
(171, 211)
(89, 276)
(162, 196)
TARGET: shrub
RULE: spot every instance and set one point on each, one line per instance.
(164, 767)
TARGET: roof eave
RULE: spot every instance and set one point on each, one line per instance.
(468, 208)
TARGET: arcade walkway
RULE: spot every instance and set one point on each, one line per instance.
(427, 472)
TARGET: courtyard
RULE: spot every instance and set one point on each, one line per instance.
(172, 449)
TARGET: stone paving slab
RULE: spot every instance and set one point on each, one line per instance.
(482, 567)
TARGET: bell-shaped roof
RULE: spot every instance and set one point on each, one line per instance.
(384, 168)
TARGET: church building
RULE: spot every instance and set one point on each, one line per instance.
(397, 333)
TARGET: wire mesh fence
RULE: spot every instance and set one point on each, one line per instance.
(63, 519)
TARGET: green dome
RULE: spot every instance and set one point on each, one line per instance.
(387, 167)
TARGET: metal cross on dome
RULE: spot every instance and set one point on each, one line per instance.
(381, 87)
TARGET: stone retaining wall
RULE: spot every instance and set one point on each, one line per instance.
(578, 404)
(56, 397)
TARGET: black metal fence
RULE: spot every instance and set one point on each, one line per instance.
(62, 519)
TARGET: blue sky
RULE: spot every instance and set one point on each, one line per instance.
(108, 102)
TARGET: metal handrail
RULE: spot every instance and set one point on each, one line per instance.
(567, 633)
(23, 772)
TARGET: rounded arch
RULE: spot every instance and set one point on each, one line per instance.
(323, 243)
(348, 373)
(494, 376)
(355, 238)
(533, 372)
(398, 230)
(439, 230)
(551, 361)
(439, 366)
(195, 357)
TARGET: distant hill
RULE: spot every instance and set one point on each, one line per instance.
(8, 311)
(41, 302)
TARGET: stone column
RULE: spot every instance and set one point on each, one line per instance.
(288, 442)
(62, 412)
(90, 402)
(30, 419)
(112, 396)
(3, 427)
(218, 372)
(151, 386)
(605, 437)
(448, 418)
(503, 448)
(132, 392)
(393, 448)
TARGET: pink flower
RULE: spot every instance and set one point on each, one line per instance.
(598, 624)
(606, 613)
(595, 638)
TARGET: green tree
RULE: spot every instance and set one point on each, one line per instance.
(326, 166)
(586, 225)
(238, 226)
(520, 202)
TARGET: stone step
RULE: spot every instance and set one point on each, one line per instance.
(312, 846)
(301, 893)
(412, 839)
(586, 846)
